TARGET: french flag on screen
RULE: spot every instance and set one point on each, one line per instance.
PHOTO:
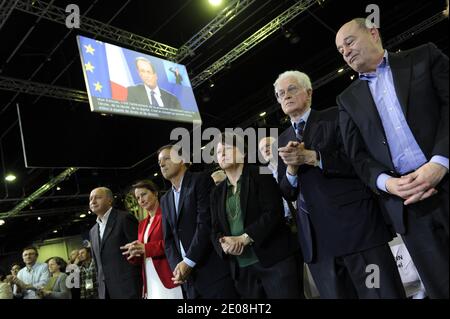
(106, 69)
(119, 72)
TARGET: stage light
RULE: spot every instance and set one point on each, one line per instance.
(340, 70)
(10, 178)
(263, 114)
(215, 2)
(55, 231)
(82, 215)
(39, 218)
(352, 77)
(2, 222)
(156, 174)
(58, 188)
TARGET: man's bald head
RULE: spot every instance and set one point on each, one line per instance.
(100, 200)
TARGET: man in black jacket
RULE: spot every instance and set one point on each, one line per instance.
(394, 124)
(341, 230)
(187, 231)
(116, 278)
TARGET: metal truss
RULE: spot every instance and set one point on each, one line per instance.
(253, 40)
(225, 16)
(59, 15)
(33, 88)
(38, 193)
(6, 7)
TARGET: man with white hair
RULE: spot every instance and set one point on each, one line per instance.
(341, 230)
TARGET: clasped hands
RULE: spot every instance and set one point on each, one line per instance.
(295, 154)
(133, 249)
(233, 245)
(181, 273)
(417, 185)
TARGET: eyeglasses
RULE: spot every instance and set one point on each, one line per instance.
(292, 90)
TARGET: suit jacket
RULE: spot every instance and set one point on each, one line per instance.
(122, 279)
(344, 217)
(263, 212)
(137, 94)
(154, 248)
(421, 83)
(191, 225)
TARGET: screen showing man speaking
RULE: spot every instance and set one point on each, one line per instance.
(126, 82)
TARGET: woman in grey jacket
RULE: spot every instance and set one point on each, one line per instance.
(56, 287)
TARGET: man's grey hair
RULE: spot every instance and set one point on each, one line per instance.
(302, 79)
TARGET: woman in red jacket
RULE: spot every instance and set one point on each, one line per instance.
(148, 250)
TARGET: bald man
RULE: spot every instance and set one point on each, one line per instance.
(117, 279)
(394, 123)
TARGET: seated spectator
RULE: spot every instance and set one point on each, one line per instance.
(5, 286)
(88, 275)
(30, 278)
(56, 287)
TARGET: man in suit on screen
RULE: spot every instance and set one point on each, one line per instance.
(149, 93)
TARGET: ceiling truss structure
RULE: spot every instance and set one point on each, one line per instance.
(6, 7)
(225, 16)
(38, 193)
(33, 88)
(253, 40)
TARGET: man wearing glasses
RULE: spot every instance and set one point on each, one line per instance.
(341, 230)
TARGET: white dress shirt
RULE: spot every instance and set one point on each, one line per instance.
(157, 95)
(102, 222)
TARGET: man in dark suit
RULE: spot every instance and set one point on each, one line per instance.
(187, 231)
(394, 123)
(249, 230)
(116, 278)
(341, 230)
(149, 93)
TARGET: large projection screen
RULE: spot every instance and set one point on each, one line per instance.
(125, 82)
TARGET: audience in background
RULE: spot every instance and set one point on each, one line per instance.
(5, 285)
(15, 268)
(88, 275)
(73, 260)
(56, 287)
(32, 277)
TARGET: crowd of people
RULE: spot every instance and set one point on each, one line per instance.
(342, 183)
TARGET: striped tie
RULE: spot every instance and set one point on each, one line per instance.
(299, 128)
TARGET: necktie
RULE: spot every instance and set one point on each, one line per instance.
(153, 98)
(299, 128)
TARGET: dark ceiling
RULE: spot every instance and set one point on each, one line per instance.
(42, 51)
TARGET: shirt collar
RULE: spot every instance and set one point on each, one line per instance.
(105, 217)
(156, 90)
(371, 75)
(304, 118)
(181, 184)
